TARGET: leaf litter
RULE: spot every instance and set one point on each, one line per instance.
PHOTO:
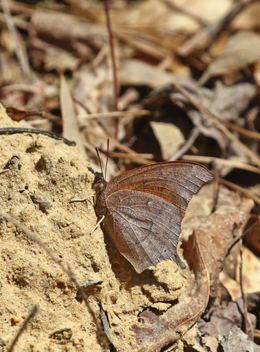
(180, 97)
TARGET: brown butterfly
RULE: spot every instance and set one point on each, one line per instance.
(142, 209)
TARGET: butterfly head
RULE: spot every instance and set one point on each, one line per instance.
(100, 186)
(100, 197)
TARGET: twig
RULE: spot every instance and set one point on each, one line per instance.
(184, 11)
(105, 323)
(4, 171)
(23, 327)
(243, 235)
(136, 113)
(248, 325)
(135, 158)
(242, 190)
(243, 131)
(221, 162)
(14, 130)
(206, 36)
(84, 106)
(216, 191)
(250, 118)
(20, 53)
(213, 118)
(68, 271)
(192, 138)
(122, 147)
(112, 49)
(216, 29)
(80, 200)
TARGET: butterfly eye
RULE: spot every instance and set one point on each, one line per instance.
(100, 186)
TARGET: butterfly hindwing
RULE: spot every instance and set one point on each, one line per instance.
(144, 228)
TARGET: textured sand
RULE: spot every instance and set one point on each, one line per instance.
(36, 190)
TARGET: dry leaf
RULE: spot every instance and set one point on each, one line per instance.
(70, 126)
(251, 270)
(248, 19)
(222, 320)
(66, 31)
(217, 231)
(169, 137)
(156, 332)
(136, 72)
(237, 338)
(241, 50)
(50, 57)
(232, 286)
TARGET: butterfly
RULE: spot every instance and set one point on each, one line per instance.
(142, 209)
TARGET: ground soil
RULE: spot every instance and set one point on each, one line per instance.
(43, 176)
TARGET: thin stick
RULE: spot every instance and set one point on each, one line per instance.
(23, 327)
(81, 200)
(99, 160)
(107, 159)
(243, 131)
(112, 49)
(118, 114)
(243, 235)
(133, 157)
(20, 53)
(217, 28)
(98, 223)
(221, 162)
(214, 119)
(216, 191)
(192, 138)
(248, 325)
(242, 190)
(120, 146)
(14, 130)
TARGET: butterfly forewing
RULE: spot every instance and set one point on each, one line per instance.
(175, 182)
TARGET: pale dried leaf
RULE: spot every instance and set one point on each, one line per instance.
(156, 332)
(238, 341)
(222, 320)
(169, 137)
(232, 286)
(66, 30)
(51, 57)
(241, 50)
(251, 269)
(248, 18)
(136, 72)
(70, 126)
(217, 231)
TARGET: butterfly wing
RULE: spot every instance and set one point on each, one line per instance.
(144, 227)
(175, 182)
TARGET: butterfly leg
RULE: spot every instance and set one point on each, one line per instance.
(99, 222)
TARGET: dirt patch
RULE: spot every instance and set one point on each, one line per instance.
(43, 176)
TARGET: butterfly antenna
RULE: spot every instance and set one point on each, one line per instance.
(99, 160)
(107, 159)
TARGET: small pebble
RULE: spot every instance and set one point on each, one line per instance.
(16, 319)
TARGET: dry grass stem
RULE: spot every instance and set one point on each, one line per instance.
(221, 162)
